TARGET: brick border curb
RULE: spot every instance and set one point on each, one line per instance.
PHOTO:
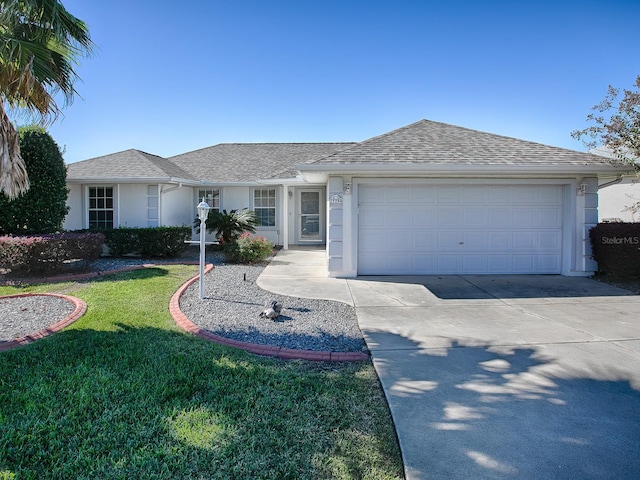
(80, 309)
(266, 350)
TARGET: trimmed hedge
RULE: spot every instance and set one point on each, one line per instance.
(147, 242)
(53, 253)
(616, 248)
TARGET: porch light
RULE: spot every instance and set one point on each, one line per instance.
(347, 188)
(203, 213)
(582, 188)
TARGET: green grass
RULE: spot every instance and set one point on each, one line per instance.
(124, 393)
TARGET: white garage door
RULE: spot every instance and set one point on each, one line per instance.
(459, 229)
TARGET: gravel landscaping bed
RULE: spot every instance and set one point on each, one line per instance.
(230, 309)
(233, 302)
(22, 316)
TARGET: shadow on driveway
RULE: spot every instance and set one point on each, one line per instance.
(508, 412)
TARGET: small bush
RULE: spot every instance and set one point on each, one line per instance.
(45, 254)
(616, 248)
(248, 249)
(147, 242)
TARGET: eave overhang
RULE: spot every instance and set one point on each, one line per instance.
(320, 173)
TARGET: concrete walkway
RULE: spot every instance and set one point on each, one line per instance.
(495, 376)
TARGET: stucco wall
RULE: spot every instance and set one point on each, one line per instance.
(177, 205)
(615, 199)
(75, 218)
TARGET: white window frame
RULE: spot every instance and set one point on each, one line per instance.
(212, 199)
(112, 209)
(257, 205)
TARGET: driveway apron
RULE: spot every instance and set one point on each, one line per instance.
(507, 376)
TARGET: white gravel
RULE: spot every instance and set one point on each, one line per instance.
(233, 302)
(20, 316)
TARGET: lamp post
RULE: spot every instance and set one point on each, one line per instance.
(203, 213)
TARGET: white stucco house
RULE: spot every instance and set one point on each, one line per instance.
(427, 198)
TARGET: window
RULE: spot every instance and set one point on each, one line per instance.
(212, 197)
(264, 204)
(100, 208)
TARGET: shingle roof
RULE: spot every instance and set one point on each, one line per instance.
(129, 164)
(427, 142)
(248, 162)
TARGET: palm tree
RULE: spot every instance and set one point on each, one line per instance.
(229, 226)
(40, 43)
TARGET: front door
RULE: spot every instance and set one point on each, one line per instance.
(310, 225)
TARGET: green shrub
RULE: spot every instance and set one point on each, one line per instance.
(248, 249)
(45, 254)
(43, 207)
(147, 242)
(616, 248)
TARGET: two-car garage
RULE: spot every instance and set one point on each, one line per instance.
(435, 228)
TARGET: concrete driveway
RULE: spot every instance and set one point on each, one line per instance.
(515, 377)
(507, 376)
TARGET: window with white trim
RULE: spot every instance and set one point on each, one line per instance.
(264, 204)
(211, 196)
(101, 208)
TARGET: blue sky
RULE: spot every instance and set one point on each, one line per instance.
(170, 77)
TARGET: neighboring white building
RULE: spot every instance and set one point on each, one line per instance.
(428, 198)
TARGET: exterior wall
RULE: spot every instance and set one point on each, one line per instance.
(615, 200)
(177, 205)
(75, 201)
(133, 206)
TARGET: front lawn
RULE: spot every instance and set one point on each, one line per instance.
(124, 393)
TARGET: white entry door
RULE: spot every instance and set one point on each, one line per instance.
(310, 216)
(459, 229)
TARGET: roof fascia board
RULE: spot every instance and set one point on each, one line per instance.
(464, 169)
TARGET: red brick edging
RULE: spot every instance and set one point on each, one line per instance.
(285, 353)
(80, 309)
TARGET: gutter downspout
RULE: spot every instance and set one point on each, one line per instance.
(612, 182)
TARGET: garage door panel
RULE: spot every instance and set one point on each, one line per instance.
(425, 194)
(449, 264)
(450, 216)
(548, 263)
(499, 195)
(424, 241)
(373, 241)
(449, 194)
(475, 217)
(448, 240)
(523, 263)
(424, 216)
(500, 217)
(526, 217)
(498, 240)
(371, 217)
(474, 240)
(457, 229)
(397, 195)
(474, 263)
(474, 195)
(550, 240)
(524, 240)
(549, 218)
(398, 216)
(525, 195)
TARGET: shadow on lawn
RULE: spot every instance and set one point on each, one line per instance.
(491, 412)
(153, 403)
